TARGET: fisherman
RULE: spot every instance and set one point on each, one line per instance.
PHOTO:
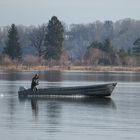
(34, 82)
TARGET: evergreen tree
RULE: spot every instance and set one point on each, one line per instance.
(122, 53)
(13, 49)
(136, 48)
(54, 39)
(96, 44)
(107, 46)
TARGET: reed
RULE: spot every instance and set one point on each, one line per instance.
(21, 67)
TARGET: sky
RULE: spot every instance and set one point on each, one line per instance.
(37, 12)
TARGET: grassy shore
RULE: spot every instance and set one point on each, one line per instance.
(71, 68)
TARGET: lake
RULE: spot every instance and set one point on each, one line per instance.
(73, 118)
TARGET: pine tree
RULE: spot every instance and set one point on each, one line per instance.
(13, 49)
(54, 39)
(136, 48)
(107, 46)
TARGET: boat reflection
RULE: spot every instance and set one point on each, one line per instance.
(93, 101)
(51, 110)
(104, 102)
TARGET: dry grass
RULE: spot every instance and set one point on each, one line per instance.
(105, 68)
(70, 68)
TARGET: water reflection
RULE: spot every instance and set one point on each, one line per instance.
(55, 76)
(101, 76)
(34, 106)
(10, 75)
(92, 101)
(51, 76)
(51, 111)
(54, 105)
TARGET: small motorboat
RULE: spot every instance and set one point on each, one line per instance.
(100, 90)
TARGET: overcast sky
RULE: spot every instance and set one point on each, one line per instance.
(34, 12)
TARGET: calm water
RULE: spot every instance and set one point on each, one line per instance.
(115, 118)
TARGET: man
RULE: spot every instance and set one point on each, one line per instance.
(34, 82)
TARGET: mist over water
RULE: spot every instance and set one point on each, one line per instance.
(74, 118)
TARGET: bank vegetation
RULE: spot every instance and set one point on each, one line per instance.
(97, 46)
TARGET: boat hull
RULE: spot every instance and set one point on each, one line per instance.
(92, 90)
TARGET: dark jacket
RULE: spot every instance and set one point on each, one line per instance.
(34, 82)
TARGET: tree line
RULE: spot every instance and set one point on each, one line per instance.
(48, 40)
(98, 43)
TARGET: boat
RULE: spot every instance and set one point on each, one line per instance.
(97, 90)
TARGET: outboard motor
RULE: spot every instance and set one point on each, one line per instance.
(22, 88)
(21, 92)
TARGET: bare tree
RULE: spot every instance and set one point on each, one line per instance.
(93, 55)
(36, 36)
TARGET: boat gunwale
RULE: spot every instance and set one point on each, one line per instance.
(80, 87)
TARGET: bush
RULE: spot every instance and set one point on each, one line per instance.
(31, 60)
(5, 60)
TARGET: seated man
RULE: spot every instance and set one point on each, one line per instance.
(34, 82)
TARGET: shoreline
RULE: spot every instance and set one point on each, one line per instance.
(72, 68)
